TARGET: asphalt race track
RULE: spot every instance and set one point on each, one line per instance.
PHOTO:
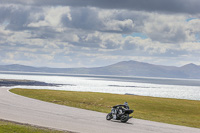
(25, 110)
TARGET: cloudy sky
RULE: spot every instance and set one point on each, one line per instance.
(90, 33)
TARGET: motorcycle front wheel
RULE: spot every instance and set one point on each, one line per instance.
(109, 116)
(124, 118)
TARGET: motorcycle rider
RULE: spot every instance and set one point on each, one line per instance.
(120, 112)
(126, 105)
(118, 109)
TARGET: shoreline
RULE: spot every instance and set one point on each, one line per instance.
(16, 82)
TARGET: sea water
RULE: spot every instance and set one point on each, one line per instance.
(156, 87)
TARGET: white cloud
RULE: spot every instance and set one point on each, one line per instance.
(165, 28)
(104, 40)
(51, 16)
(119, 26)
(146, 45)
(191, 46)
(193, 29)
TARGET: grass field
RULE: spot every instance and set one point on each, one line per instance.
(173, 111)
(11, 127)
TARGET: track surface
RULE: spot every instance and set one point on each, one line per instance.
(25, 110)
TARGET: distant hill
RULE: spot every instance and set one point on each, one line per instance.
(124, 68)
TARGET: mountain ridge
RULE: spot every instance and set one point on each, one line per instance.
(124, 68)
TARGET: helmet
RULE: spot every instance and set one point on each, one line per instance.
(125, 103)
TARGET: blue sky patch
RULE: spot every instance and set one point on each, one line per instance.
(197, 37)
(136, 34)
(189, 19)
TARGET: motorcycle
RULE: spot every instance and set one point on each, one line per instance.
(120, 112)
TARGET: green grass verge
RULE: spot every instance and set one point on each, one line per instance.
(11, 127)
(173, 111)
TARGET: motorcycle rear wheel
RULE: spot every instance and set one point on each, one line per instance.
(124, 118)
(109, 116)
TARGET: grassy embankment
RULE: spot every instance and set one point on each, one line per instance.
(173, 111)
(11, 127)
